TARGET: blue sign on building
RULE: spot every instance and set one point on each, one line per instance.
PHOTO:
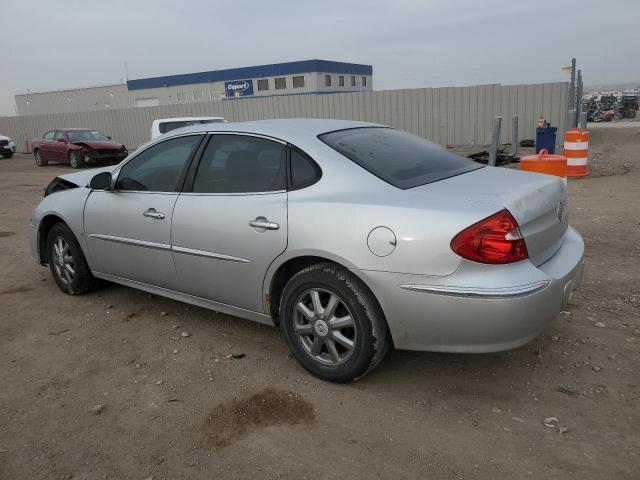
(238, 88)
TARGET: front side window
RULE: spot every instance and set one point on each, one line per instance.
(281, 83)
(399, 158)
(263, 84)
(327, 80)
(298, 81)
(241, 164)
(49, 135)
(160, 167)
(341, 81)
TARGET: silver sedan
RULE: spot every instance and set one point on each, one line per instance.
(350, 236)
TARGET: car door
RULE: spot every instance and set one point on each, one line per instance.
(46, 147)
(128, 228)
(233, 223)
(59, 147)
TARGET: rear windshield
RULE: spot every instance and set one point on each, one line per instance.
(399, 158)
(168, 126)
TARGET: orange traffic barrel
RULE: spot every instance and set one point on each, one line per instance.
(576, 149)
(544, 162)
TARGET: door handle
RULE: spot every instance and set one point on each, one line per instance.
(261, 224)
(151, 213)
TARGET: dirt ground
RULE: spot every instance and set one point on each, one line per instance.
(105, 385)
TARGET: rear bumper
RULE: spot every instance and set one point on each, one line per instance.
(479, 308)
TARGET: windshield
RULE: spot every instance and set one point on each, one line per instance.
(399, 158)
(86, 136)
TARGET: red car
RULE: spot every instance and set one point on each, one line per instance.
(77, 146)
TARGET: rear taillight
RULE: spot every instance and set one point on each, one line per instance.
(496, 239)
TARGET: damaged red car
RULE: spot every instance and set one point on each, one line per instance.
(78, 147)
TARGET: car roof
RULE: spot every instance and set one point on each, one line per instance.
(286, 129)
(74, 130)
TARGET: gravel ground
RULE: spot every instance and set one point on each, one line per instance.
(106, 385)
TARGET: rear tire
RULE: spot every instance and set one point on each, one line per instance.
(75, 159)
(66, 261)
(7, 155)
(332, 323)
(41, 162)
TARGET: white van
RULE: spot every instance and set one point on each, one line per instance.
(164, 125)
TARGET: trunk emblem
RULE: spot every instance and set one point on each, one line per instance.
(560, 211)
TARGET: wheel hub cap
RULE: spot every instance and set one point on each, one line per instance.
(321, 327)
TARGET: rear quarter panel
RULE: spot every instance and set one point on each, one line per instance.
(334, 217)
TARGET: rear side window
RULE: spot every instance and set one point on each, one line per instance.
(304, 171)
(241, 164)
(399, 158)
(50, 135)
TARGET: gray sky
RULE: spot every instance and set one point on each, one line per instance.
(53, 45)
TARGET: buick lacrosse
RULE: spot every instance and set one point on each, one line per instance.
(349, 236)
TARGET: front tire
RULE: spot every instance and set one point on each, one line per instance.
(332, 323)
(7, 155)
(75, 159)
(66, 261)
(41, 162)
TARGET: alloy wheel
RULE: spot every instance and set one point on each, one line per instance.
(38, 159)
(73, 160)
(63, 261)
(324, 326)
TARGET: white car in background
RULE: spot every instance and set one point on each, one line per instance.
(164, 125)
(7, 147)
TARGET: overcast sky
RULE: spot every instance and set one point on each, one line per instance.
(53, 45)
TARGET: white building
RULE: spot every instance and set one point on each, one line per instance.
(291, 78)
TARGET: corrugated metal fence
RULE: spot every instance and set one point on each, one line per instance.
(450, 115)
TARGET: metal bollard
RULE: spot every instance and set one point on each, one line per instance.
(583, 120)
(572, 119)
(514, 134)
(495, 138)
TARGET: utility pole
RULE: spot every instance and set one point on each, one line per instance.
(572, 91)
(579, 95)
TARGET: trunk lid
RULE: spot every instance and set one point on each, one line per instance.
(538, 202)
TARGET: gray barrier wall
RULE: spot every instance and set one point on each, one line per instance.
(449, 116)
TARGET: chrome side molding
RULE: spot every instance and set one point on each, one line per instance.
(131, 241)
(500, 292)
(163, 246)
(203, 253)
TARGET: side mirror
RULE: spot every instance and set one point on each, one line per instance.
(108, 137)
(101, 181)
